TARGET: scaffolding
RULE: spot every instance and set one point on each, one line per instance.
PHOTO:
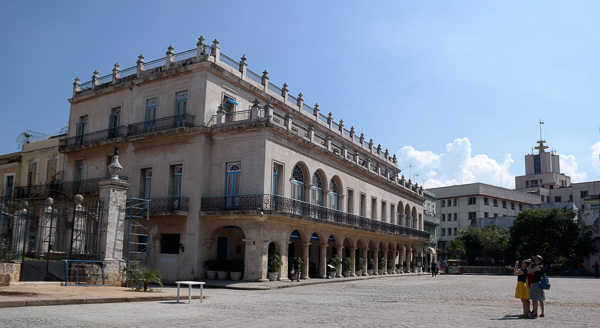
(138, 217)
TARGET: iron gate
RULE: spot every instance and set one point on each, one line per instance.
(43, 233)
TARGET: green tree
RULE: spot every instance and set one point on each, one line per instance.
(487, 239)
(456, 248)
(550, 233)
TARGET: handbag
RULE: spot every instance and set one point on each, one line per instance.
(545, 282)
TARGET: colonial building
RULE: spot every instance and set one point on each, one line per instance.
(236, 167)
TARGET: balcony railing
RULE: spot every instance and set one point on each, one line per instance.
(168, 204)
(159, 124)
(291, 206)
(57, 189)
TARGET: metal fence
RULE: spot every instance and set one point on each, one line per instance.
(296, 207)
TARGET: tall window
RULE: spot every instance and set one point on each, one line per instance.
(181, 100)
(78, 172)
(298, 183)
(81, 129)
(275, 183)
(176, 181)
(9, 183)
(232, 183)
(537, 168)
(316, 191)
(51, 170)
(114, 121)
(332, 195)
(146, 183)
(229, 108)
(150, 117)
(472, 200)
(350, 207)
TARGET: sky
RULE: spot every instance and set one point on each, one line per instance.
(456, 89)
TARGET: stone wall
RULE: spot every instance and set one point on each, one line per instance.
(9, 272)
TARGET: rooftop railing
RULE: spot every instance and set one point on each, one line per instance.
(280, 204)
(61, 188)
(168, 204)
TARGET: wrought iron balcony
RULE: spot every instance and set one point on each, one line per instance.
(62, 188)
(279, 204)
(159, 205)
(159, 124)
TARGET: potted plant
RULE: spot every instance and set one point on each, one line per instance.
(381, 265)
(211, 269)
(274, 264)
(237, 269)
(399, 268)
(360, 263)
(347, 266)
(413, 267)
(222, 269)
(370, 266)
(27, 136)
(335, 263)
(390, 266)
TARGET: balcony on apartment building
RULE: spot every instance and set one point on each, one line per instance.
(115, 134)
(61, 188)
(278, 205)
(170, 205)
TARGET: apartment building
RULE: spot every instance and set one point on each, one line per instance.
(236, 167)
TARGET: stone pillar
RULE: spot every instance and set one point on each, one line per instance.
(140, 65)
(385, 256)
(329, 120)
(323, 261)
(216, 51)
(268, 108)
(305, 260)
(95, 80)
(113, 194)
(170, 57)
(403, 259)
(288, 121)
(285, 257)
(316, 112)
(339, 254)
(284, 92)
(353, 257)
(265, 80)
(300, 101)
(376, 259)
(243, 66)
(356, 157)
(371, 145)
(116, 75)
(344, 151)
(311, 132)
(328, 142)
(201, 49)
(410, 255)
(254, 109)
(365, 256)
(76, 86)
(352, 133)
(341, 124)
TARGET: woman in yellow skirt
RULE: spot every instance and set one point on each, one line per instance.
(522, 291)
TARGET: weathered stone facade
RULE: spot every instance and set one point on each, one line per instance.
(237, 167)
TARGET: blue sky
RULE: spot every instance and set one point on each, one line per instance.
(455, 88)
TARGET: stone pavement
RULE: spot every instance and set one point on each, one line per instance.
(54, 293)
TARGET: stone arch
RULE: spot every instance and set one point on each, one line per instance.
(299, 179)
(414, 218)
(319, 184)
(335, 193)
(399, 213)
(406, 215)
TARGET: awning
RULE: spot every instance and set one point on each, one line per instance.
(231, 101)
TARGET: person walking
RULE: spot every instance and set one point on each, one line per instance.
(296, 270)
(434, 269)
(522, 292)
(536, 293)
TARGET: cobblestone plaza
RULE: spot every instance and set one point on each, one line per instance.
(395, 301)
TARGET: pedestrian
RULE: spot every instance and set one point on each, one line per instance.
(596, 268)
(434, 269)
(536, 293)
(296, 270)
(522, 292)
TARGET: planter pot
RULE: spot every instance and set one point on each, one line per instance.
(222, 275)
(381, 271)
(370, 272)
(272, 276)
(211, 275)
(358, 272)
(346, 273)
(236, 276)
(390, 271)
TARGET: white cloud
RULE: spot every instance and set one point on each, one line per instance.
(595, 157)
(568, 166)
(455, 166)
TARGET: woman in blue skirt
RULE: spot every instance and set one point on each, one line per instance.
(536, 293)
